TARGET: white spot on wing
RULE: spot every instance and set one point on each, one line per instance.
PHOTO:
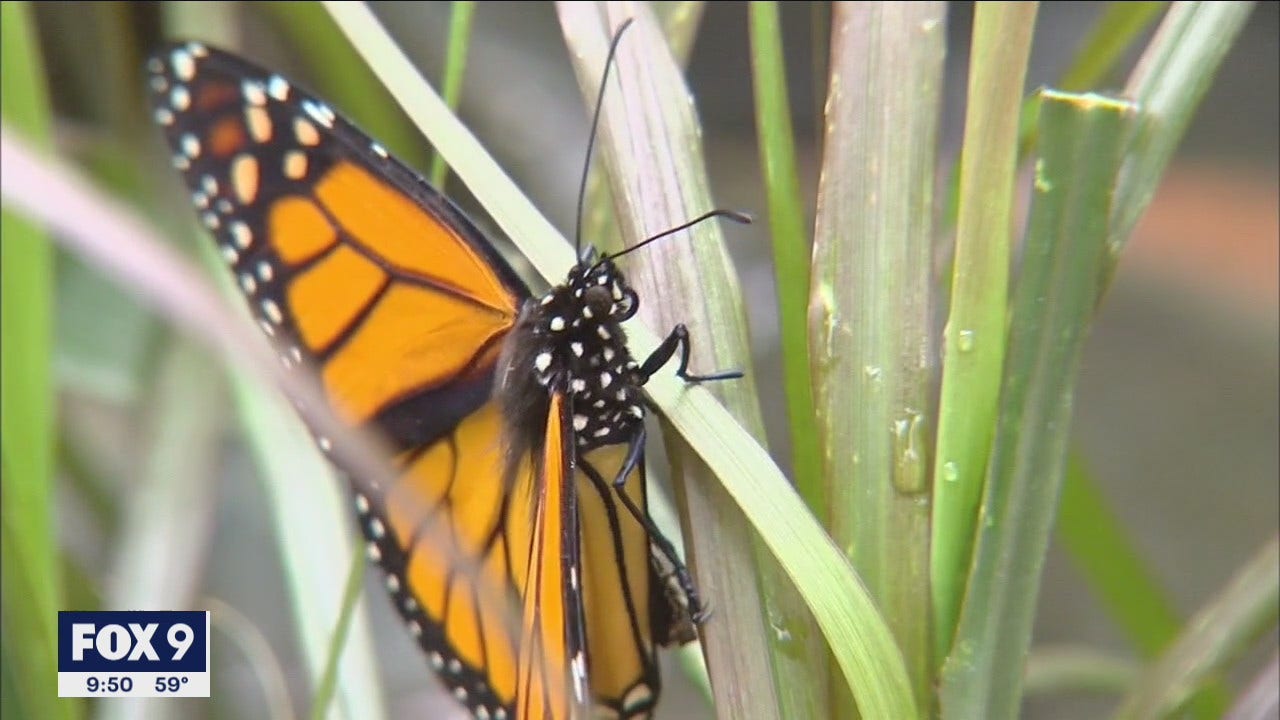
(272, 311)
(278, 88)
(184, 66)
(180, 98)
(319, 112)
(254, 93)
(542, 362)
(241, 235)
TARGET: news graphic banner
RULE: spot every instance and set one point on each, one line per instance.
(133, 654)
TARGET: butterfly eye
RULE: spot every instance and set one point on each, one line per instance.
(599, 299)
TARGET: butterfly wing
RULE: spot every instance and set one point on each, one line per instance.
(545, 503)
(620, 592)
(355, 267)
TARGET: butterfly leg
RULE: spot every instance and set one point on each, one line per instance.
(660, 541)
(679, 338)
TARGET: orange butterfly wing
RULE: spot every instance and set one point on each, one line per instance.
(357, 268)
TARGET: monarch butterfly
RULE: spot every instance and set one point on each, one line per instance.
(517, 421)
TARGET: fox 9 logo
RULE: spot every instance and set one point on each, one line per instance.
(133, 641)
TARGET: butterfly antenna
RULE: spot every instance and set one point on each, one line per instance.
(591, 139)
(734, 215)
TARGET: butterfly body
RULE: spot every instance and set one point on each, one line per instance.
(571, 341)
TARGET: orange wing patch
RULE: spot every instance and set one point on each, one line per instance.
(332, 294)
(299, 230)
(397, 229)
(409, 340)
(616, 588)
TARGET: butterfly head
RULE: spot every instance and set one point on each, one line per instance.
(601, 291)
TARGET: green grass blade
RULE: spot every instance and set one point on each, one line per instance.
(1169, 82)
(31, 562)
(1248, 606)
(791, 250)
(974, 338)
(455, 65)
(862, 643)
(1053, 303)
(1071, 670)
(870, 307)
(328, 682)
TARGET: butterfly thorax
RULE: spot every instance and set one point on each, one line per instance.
(571, 341)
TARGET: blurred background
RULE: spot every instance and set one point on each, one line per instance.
(1176, 410)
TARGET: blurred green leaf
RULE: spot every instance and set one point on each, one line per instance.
(1248, 606)
(30, 564)
(455, 65)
